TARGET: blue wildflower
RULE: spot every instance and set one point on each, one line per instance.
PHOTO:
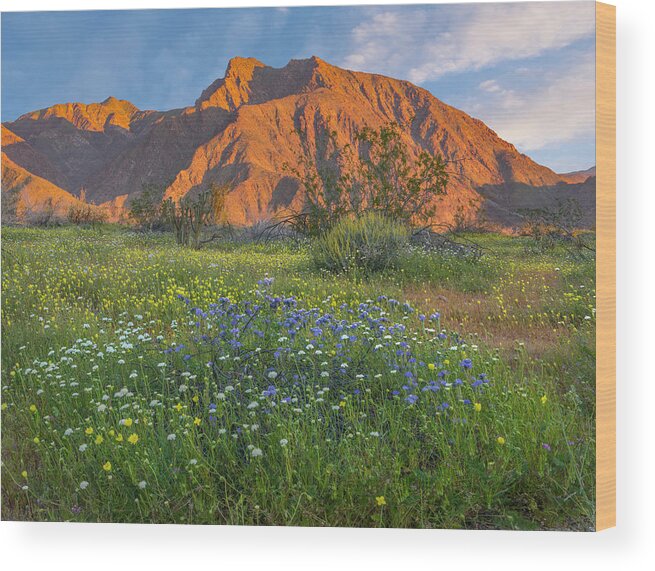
(466, 364)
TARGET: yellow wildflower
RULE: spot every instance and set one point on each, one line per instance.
(32, 408)
(380, 501)
(119, 438)
(133, 438)
(36, 440)
(431, 366)
(127, 422)
(106, 466)
(195, 398)
(178, 407)
(196, 421)
(500, 440)
(24, 474)
(544, 399)
(99, 439)
(477, 406)
(89, 430)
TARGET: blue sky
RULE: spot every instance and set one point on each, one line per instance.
(525, 69)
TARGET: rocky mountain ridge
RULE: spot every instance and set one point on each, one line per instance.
(246, 129)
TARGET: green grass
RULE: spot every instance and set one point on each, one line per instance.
(91, 320)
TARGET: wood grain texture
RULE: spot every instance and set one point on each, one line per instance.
(605, 266)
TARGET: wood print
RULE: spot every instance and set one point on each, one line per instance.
(315, 266)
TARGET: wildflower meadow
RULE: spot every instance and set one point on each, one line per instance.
(239, 384)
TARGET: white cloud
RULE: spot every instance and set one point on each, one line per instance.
(423, 45)
(505, 98)
(559, 110)
(491, 85)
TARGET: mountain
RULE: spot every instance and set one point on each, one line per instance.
(245, 127)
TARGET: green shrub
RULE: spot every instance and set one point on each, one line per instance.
(370, 243)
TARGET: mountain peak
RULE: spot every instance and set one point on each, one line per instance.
(248, 80)
(313, 63)
(114, 105)
(242, 67)
(91, 116)
(232, 90)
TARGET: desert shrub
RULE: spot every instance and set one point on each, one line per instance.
(370, 243)
(376, 174)
(272, 231)
(557, 226)
(190, 216)
(389, 181)
(44, 215)
(84, 214)
(145, 209)
(10, 205)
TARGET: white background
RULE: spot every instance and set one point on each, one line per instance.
(119, 547)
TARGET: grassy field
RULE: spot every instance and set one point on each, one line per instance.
(239, 385)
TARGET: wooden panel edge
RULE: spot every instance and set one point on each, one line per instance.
(605, 266)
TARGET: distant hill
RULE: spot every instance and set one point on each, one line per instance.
(245, 127)
(579, 176)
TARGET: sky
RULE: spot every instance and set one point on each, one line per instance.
(525, 69)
